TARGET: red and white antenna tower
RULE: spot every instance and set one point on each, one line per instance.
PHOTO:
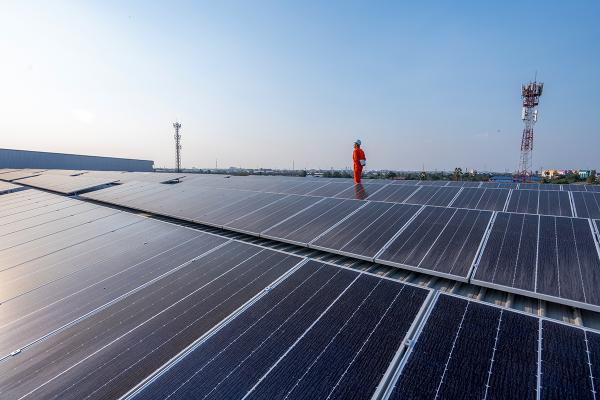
(530, 93)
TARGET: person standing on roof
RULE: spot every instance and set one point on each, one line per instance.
(358, 156)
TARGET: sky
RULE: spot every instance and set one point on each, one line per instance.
(274, 84)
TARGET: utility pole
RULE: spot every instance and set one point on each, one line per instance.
(177, 136)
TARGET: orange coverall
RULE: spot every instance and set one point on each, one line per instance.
(358, 155)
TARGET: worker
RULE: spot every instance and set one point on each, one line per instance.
(358, 156)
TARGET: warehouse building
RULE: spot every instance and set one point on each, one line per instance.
(40, 159)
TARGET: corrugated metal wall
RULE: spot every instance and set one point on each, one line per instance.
(39, 159)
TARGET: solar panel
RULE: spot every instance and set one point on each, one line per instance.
(331, 189)
(431, 183)
(6, 187)
(523, 201)
(432, 195)
(405, 182)
(140, 334)
(33, 219)
(20, 174)
(570, 362)
(360, 191)
(587, 204)
(464, 184)
(554, 203)
(56, 227)
(69, 286)
(468, 349)
(31, 216)
(366, 232)
(574, 188)
(31, 249)
(305, 187)
(439, 241)
(24, 205)
(228, 213)
(21, 199)
(499, 185)
(393, 193)
(509, 257)
(530, 186)
(268, 215)
(551, 187)
(592, 188)
(423, 195)
(66, 184)
(285, 344)
(553, 258)
(481, 199)
(265, 217)
(312, 222)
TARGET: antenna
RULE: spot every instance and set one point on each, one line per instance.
(177, 136)
(530, 93)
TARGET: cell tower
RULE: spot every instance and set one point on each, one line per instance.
(530, 93)
(177, 126)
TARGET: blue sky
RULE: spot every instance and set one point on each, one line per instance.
(265, 83)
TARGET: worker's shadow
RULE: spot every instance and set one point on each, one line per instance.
(359, 192)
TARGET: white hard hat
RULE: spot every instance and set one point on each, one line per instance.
(358, 142)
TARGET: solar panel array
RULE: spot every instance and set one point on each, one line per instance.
(8, 175)
(66, 184)
(101, 303)
(539, 247)
(6, 187)
(467, 349)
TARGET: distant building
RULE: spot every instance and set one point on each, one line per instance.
(557, 173)
(586, 173)
(41, 159)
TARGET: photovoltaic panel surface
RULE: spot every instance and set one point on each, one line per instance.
(574, 188)
(64, 183)
(523, 201)
(481, 199)
(393, 193)
(439, 241)
(228, 213)
(331, 189)
(592, 188)
(284, 345)
(265, 217)
(20, 174)
(312, 222)
(432, 195)
(106, 354)
(553, 258)
(44, 293)
(570, 362)
(587, 204)
(423, 195)
(360, 191)
(554, 203)
(7, 187)
(471, 350)
(38, 215)
(77, 212)
(366, 232)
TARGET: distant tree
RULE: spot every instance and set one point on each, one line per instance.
(457, 174)
(592, 177)
(302, 173)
